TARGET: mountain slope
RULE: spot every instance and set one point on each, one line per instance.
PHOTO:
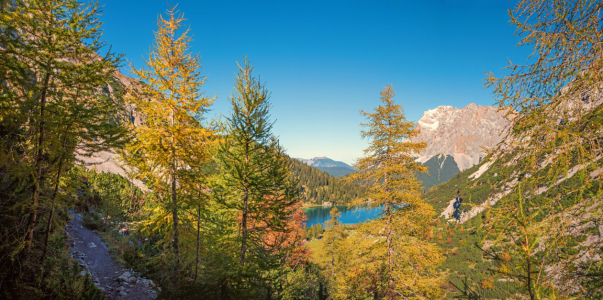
(440, 169)
(317, 186)
(495, 183)
(337, 171)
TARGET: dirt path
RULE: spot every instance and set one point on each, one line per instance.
(108, 275)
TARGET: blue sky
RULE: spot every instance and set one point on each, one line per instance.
(323, 61)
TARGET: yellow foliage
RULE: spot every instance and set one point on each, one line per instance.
(170, 138)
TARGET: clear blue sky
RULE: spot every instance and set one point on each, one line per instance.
(323, 61)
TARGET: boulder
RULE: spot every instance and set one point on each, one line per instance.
(124, 277)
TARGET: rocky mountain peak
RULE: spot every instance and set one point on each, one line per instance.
(462, 133)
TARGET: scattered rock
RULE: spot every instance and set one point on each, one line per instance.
(91, 245)
(131, 280)
(123, 293)
(124, 277)
(83, 273)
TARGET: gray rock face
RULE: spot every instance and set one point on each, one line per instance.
(109, 161)
(462, 133)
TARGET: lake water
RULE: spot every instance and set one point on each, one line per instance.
(349, 216)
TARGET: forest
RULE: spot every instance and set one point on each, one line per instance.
(214, 208)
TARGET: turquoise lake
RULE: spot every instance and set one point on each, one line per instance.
(349, 216)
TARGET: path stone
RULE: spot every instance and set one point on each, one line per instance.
(125, 276)
(103, 270)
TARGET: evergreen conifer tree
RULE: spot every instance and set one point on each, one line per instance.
(255, 176)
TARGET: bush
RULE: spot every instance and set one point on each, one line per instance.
(94, 221)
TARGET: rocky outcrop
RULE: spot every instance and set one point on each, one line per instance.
(463, 133)
(109, 161)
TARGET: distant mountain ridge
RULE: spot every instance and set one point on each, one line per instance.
(333, 167)
(324, 162)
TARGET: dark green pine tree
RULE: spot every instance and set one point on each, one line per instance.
(255, 175)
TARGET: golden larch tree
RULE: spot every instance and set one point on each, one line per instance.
(171, 139)
(388, 168)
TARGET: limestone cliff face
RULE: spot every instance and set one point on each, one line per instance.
(462, 133)
(108, 161)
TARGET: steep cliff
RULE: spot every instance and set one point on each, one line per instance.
(462, 133)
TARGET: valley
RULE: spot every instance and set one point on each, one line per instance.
(145, 182)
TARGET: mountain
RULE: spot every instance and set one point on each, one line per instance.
(337, 171)
(108, 161)
(324, 162)
(440, 169)
(318, 186)
(479, 194)
(462, 133)
(333, 167)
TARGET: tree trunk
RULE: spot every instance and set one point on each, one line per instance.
(54, 196)
(175, 217)
(38, 166)
(321, 293)
(224, 293)
(244, 227)
(390, 251)
(245, 202)
(530, 289)
(198, 238)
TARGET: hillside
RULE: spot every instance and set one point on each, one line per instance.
(440, 169)
(319, 186)
(336, 171)
(491, 188)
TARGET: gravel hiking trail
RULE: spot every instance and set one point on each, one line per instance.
(92, 254)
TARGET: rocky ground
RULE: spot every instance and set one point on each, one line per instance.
(92, 254)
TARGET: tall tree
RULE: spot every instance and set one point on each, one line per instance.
(173, 135)
(51, 53)
(388, 167)
(555, 101)
(254, 168)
